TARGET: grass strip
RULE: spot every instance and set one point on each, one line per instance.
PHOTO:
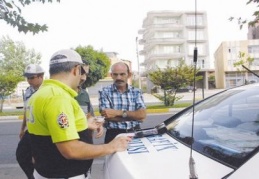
(150, 109)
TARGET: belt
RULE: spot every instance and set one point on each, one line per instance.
(38, 176)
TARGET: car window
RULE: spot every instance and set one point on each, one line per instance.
(226, 126)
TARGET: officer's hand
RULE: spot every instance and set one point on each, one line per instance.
(99, 130)
(92, 124)
(96, 126)
(120, 143)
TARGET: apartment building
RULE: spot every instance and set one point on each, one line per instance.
(170, 36)
(253, 32)
(228, 75)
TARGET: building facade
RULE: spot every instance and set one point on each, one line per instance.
(229, 53)
(253, 32)
(171, 36)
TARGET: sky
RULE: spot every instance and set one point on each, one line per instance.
(113, 25)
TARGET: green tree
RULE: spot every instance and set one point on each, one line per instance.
(245, 60)
(241, 21)
(172, 79)
(99, 64)
(14, 57)
(11, 13)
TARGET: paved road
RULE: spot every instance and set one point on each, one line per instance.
(9, 130)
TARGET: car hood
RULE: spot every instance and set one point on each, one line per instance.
(160, 156)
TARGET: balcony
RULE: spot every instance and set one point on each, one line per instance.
(164, 26)
(152, 57)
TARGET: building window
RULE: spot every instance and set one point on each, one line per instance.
(167, 34)
(233, 53)
(201, 63)
(255, 62)
(173, 62)
(167, 49)
(191, 20)
(232, 50)
(253, 49)
(161, 63)
(234, 79)
(199, 35)
(166, 20)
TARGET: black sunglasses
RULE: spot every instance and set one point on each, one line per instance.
(82, 70)
(32, 77)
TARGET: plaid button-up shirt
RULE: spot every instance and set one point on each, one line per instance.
(130, 100)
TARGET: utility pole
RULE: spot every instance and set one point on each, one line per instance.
(139, 77)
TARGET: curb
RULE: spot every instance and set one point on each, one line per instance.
(10, 117)
(170, 110)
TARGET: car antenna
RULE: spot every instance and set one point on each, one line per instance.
(193, 174)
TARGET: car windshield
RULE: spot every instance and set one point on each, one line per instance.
(226, 126)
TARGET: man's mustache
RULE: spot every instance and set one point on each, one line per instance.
(118, 81)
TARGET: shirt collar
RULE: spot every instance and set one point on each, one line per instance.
(114, 88)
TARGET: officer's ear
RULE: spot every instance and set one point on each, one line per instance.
(76, 70)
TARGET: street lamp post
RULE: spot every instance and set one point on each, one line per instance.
(139, 77)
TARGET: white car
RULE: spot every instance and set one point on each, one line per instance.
(224, 142)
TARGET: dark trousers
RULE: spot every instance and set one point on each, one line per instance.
(112, 133)
(24, 155)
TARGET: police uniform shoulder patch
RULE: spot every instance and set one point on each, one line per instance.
(63, 121)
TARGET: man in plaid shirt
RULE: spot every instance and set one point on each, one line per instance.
(121, 104)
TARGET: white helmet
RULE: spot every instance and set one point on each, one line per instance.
(33, 69)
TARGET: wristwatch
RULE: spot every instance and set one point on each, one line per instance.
(124, 113)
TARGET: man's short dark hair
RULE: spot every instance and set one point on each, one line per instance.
(61, 67)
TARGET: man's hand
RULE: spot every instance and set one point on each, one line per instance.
(116, 115)
(111, 113)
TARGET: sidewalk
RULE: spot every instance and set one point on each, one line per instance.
(149, 99)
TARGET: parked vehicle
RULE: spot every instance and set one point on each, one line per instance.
(220, 134)
(186, 89)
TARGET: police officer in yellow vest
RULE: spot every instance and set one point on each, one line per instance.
(34, 74)
(57, 125)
